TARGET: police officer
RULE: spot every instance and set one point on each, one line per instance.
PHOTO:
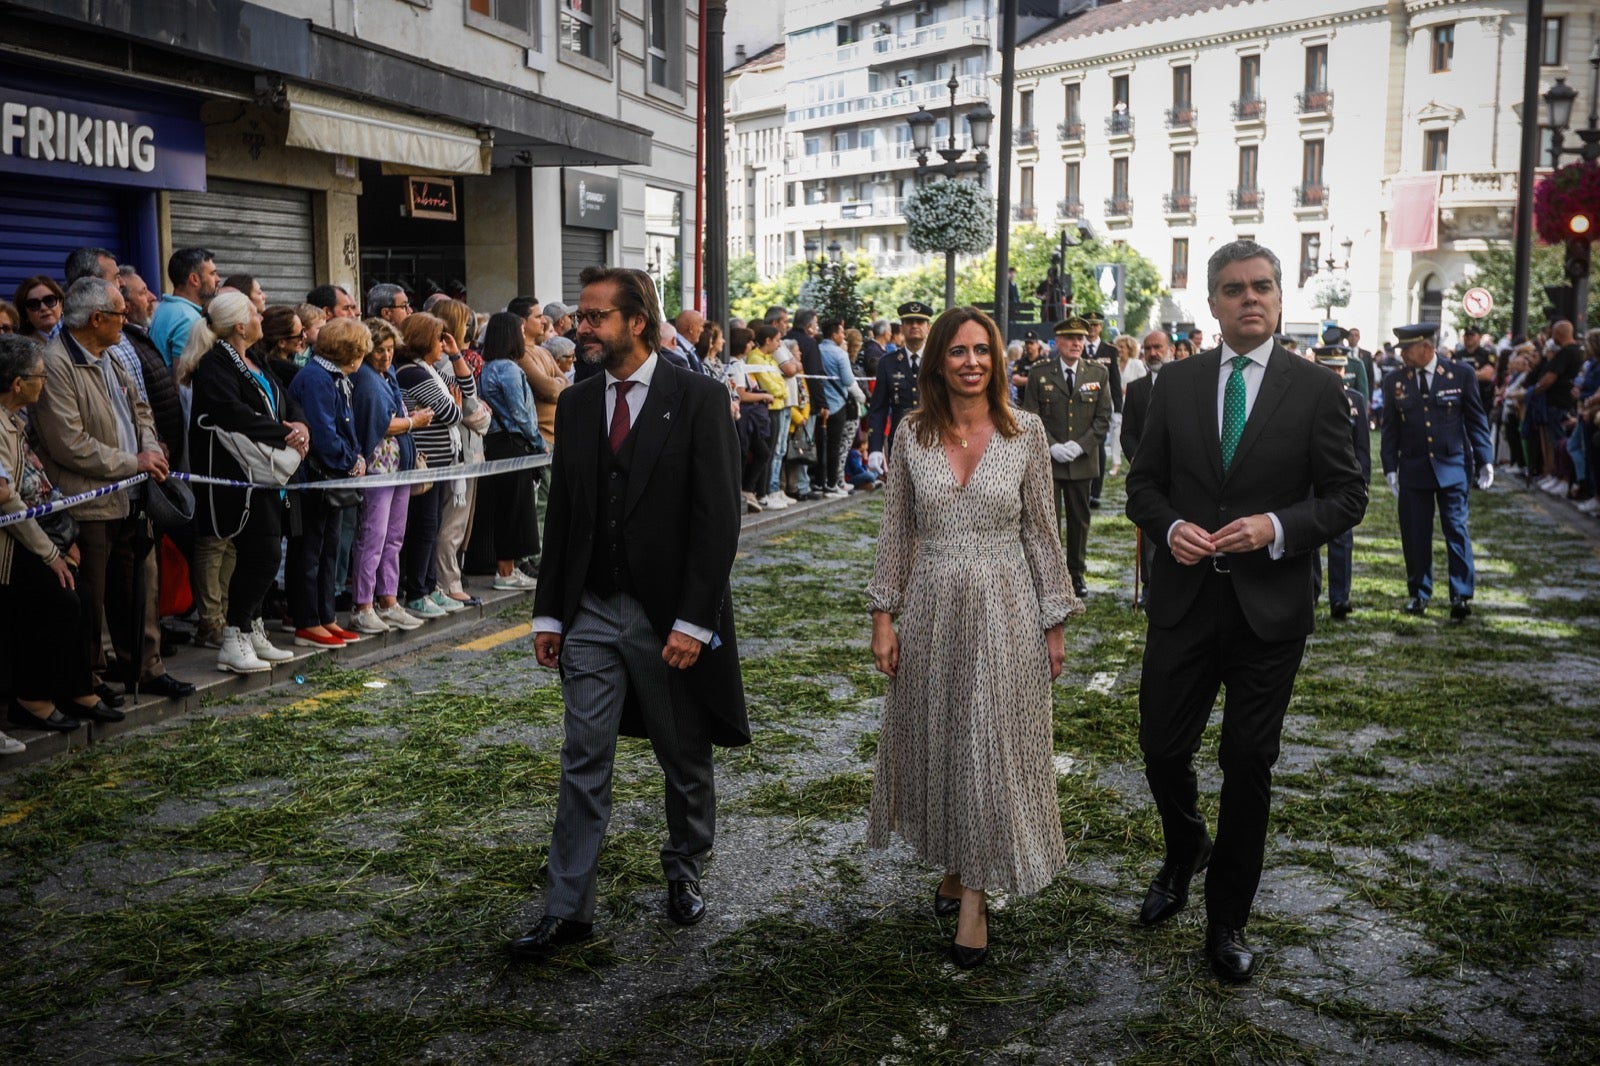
(1336, 357)
(1355, 371)
(1104, 353)
(1072, 396)
(1435, 436)
(1032, 352)
(894, 395)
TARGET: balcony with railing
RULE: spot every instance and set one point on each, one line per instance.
(969, 90)
(1308, 194)
(1245, 198)
(1025, 137)
(878, 211)
(855, 160)
(1181, 118)
(1249, 109)
(1024, 211)
(1069, 207)
(1179, 203)
(955, 33)
(1313, 101)
(1119, 206)
(1119, 124)
(1180, 278)
(1070, 131)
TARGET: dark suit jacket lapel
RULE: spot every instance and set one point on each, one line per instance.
(1205, 410)
(656, 418)
(588, 418)
(1274, 387)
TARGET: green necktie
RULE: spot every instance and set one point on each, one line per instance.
(1233, 410)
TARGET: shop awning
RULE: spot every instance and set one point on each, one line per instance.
(341, 126)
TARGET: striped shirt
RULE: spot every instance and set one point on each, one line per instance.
(439, 440)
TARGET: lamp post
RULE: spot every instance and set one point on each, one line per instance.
(1313, 249)
(980, 123)
(1558, 100)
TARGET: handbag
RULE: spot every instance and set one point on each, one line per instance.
(338, 498)
(60, 527)
(802, 447)
(262, 463)
(421, 487)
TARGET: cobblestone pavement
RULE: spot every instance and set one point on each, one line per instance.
(328, 872)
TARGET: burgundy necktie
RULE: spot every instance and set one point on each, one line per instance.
(620, 420)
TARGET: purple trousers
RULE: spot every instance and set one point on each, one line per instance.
(380, 529)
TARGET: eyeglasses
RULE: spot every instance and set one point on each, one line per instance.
(34, 303)
(32, 377)
(119, 314)
(593, 317)
(297, 338)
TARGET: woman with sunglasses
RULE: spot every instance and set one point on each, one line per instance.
(10, 318)
(283, 339)
(40, 298)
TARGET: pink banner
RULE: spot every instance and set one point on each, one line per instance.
(1414, 213)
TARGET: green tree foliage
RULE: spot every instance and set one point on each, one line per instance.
(1031, 249)
(1495, 270)
(742, 280)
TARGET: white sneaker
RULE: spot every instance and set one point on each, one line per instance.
(775, 501)
(1590, 506)
(236, 655)
(839, 493)
(11, 745)
(442, 600)
(425, 608)
(1545, 482)
(516, 581)
(265, 650)
(367, 621)
(398, 617)
(1557, 487)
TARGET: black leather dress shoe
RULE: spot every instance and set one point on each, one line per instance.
(1339, 610)
(22, 718)
(109, 698)
(100, 712)
(549, 936)
(967, 958)
(1169, 892)
(1232, 959)
(685, 905)
(168, 686)
(945, 906)
(1460, 608)
(1080, 587)
(1416, 605)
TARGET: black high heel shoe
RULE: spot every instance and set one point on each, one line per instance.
(968, 958)
(945, 906)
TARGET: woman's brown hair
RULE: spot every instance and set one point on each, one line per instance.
(418, 334)
(344, 341)
(277, 325)
(458, 320)
(935, 416)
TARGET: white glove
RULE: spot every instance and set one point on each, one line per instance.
(1074, 450)
(1486, 476)
(1060, 454)
(875, 462)
(1394, 484)
(857, 395)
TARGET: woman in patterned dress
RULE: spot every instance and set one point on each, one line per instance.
(969, 594)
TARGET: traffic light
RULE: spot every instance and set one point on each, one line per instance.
(1563, 303)
(1577, 257)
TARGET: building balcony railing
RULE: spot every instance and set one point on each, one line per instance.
(969, 90)
(1313, 101)
(1024, 212)
(1181, 118)
(1308, 195)
(942, 36)
(1069, 207)
(1179, 203)
(1180, 279)
(877, 211)
(1242, 198)
(1119, 124)
(1070, 130)
(855, 160)
(1249, 109)
(1025, 137)
(1119, 206)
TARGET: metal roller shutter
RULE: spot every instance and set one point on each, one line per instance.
(41, 222)
(579, 248)
(262, 230)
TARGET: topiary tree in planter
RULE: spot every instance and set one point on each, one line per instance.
(954, 217)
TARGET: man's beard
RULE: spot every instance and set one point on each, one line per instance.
(598, 353)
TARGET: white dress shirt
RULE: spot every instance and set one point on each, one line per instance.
(635, 398)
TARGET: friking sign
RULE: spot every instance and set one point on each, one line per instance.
(52, 136)
(591, 200)
(431, 198)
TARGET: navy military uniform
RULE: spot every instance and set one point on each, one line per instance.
(1435, 435)
(894, 393)
(1076, 411)
(1341, 548)
(1355, 371)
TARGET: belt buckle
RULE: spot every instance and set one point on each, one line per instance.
(1219, 563)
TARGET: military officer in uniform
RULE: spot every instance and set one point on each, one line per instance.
(1355, 371)
(1435, 438)
(1336, 357)
(1032, 352)
(1096, 350)
(895, 393)
(1072, 396)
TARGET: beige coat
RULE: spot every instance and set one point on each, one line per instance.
(548, 382)
(13, 455)
(78, 431)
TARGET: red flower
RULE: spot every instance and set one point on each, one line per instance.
(1572, 190)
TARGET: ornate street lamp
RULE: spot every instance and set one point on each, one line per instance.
(1558, 100)
(980, 124)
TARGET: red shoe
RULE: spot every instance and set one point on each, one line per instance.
(346, 635)
(305, 638)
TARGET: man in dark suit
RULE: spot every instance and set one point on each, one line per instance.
(1105, 354)
(1155, 350)
(633, 603)
(1341, 549)
(1244, 470)
(894, 394)
(1435, 438)
(873, 350)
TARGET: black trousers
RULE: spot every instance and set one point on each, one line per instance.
(506, 501)
(1184, 666)
(49, 637)
(310, 570)
(417, 568)
(833, 455)
(755, 432)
